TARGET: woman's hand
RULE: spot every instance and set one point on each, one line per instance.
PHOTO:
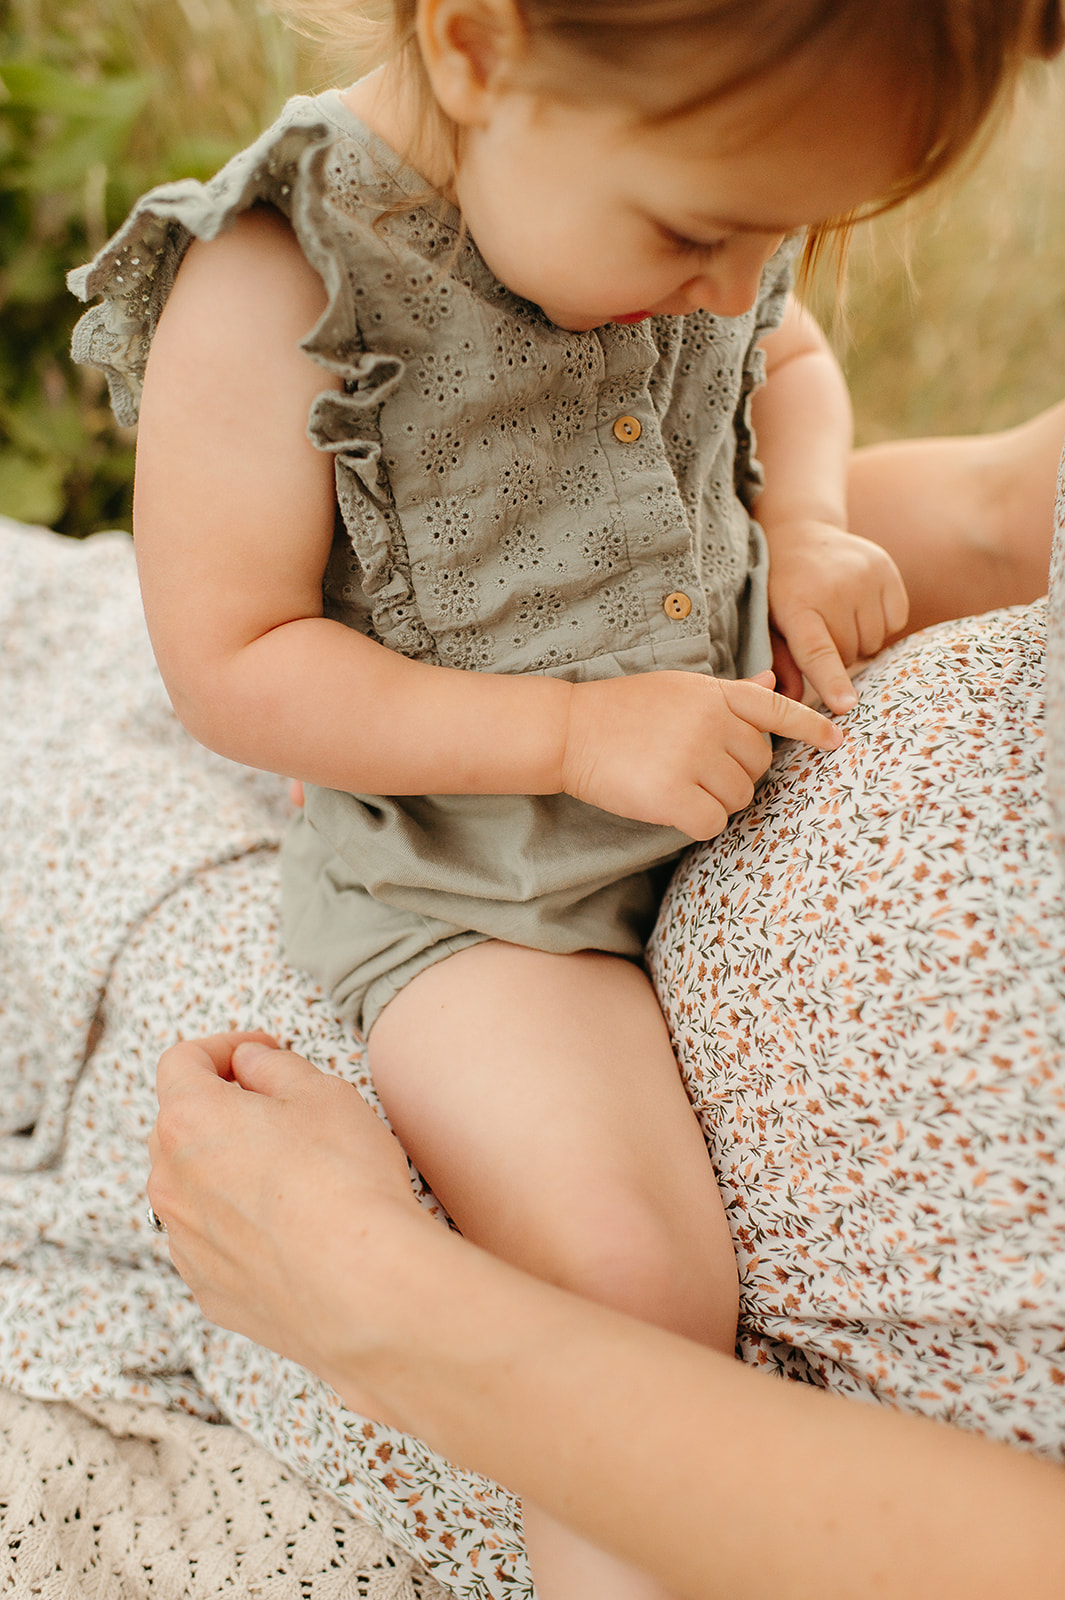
(679, 748)
(270, 1177)
(834, 599)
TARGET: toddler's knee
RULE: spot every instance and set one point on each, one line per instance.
(624, 1254)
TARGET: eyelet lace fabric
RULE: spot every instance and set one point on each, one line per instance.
(131, 1502)
(513, 498)
(471, 432)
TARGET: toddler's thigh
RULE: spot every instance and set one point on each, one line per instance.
(539, 1095)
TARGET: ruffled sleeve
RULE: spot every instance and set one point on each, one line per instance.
(768, 312)
(135, 271)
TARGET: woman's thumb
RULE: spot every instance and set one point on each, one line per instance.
(265, 1068)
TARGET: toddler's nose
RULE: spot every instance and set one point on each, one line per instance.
(732, 286)
(728, 298)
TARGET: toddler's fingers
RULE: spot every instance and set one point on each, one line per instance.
(872, 635)
(787, 675)
(699, 814)
(775, 713)
(896, 605)
(818, 659)
(728, 780)
(749, 746)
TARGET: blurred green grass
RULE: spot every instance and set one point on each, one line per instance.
(955, 316)
(955, 306)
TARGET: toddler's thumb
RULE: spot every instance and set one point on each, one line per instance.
(768, 678)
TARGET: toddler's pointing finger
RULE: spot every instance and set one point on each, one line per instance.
(771, 712)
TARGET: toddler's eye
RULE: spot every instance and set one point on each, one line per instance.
(683, 245)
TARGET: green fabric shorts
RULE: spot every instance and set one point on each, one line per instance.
(375, 889)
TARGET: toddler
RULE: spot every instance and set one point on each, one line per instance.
(445, 483)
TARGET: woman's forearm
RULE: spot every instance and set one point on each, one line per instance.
(718, 1479)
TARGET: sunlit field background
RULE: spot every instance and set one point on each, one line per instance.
(955, 312)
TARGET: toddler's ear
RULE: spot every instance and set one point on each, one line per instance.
(469, 48)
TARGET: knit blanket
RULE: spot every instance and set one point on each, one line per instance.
(117, 1501)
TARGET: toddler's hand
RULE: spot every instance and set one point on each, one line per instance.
(835, 599)
(679, 748)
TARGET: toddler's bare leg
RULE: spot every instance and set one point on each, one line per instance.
(968, 520)
(540, 1098)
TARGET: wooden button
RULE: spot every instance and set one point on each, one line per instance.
(627, 429)
(677, 605)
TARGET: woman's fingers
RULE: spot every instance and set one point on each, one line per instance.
(195, 1055)
(260, 1065)
(253, 1145)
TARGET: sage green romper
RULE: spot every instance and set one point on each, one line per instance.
(511, 498)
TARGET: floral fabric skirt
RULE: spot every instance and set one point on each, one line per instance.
(863, 976)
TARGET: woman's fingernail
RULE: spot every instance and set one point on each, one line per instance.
(250, 1050)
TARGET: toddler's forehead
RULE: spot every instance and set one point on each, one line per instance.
(860, 125)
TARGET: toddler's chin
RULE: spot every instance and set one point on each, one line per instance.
(569, 323)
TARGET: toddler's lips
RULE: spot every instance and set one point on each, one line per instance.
(633, 316)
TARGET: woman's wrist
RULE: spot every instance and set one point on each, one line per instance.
(376, 1299)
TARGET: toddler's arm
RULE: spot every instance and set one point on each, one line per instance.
(234, 518)
(234, 524)
(833, 596)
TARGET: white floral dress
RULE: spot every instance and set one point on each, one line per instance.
(864, 979)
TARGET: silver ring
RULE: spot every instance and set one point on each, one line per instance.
(155, 1221)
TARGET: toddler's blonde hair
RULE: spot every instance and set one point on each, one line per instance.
(961, 58)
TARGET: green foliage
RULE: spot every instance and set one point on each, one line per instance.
(98, 102)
